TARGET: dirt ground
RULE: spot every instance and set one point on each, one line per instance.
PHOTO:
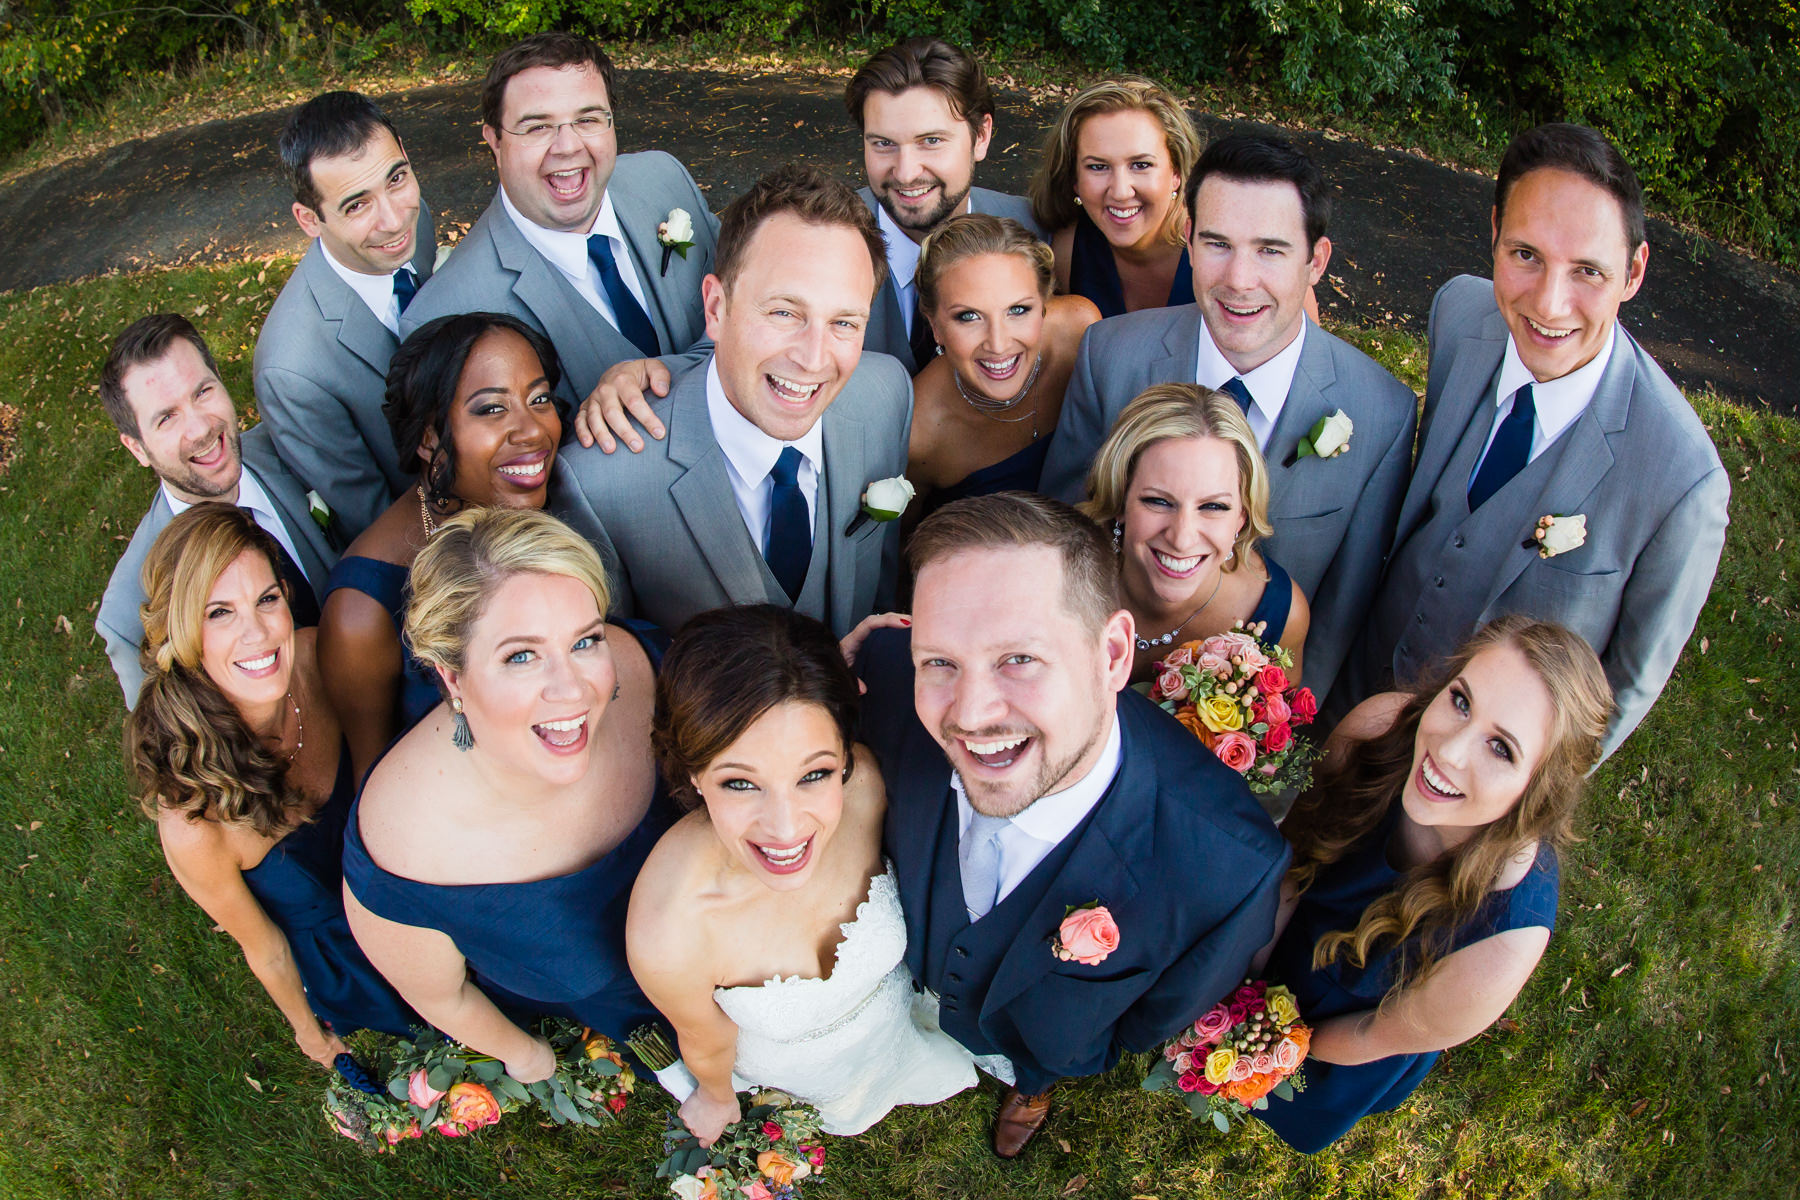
(1402, 226)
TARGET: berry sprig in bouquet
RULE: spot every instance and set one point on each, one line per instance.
(1245, 1048)
(1233, 692)
(764, 1156)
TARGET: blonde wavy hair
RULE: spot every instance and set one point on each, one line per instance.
(1052, 190)
(187, 748)
(1180, 410)
(467, 560)
(974, 234)
(1353, 791)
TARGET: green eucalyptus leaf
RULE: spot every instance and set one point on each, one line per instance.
(1221, 1122)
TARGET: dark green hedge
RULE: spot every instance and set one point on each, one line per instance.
(1703, 96)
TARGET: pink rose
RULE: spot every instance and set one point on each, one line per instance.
(1180, 656)
(1190, 1081)
(1213, 1025)
(1245, 651)
(1306, 707)
(1287, 1054)
(616, 1104)
(1275, 708)
(1262, 1064)
(1169, 686)
(1272, 680)
(1278, 738)
(420, 1092)
(1239, 1012)
(341, 1122)
(1235, 750)
(1184, 1062)
(1173, 1050)
(814, 1155)
(449, 1128)
(1241, 1069)
(471, 1105)
(1088, 935)
(756, 1191)
(1247, 993)
(1208, 1088)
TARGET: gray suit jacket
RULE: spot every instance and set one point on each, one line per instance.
(667, 523)
(320, 371)
(1333, 518)
(494, 269)
(120, 622)
(887, 325)
(1637, 462)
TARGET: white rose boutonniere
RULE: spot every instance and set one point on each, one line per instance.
(1328, 438)
(883, 500)
(675, 235)
(1554, 535)
(321, 512)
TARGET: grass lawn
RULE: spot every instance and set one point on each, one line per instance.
(1655, 1053)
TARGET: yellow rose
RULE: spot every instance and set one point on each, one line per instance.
(1282, 1006)
(1219, 1064)
(1221, 714)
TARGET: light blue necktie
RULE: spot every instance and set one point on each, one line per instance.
(980, 854)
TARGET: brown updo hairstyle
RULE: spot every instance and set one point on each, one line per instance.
(186, 746)
(974, 234)
(728, 667)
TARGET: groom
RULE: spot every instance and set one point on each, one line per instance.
(1026, 781)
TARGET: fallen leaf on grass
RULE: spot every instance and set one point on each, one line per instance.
(1637, 1110)
(1507, 1025)
(1618, 971)
(62, 625)
(1074, 1185)
(254, 1085)
(1062, 1144)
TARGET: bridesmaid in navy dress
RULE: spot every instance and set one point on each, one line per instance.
(1424, 884)
(984, 409)
(471, 402)
(490, 858)
(1109, 188)
(239, 759)
(1184, 489)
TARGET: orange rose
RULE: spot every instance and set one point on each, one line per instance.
(1247, 1092)
(471, 1105)
(779, 1169)
(1190, 720)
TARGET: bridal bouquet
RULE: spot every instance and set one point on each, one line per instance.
(762, 1157)
(1245, 1048)
(439, 1086)
(1233, 693)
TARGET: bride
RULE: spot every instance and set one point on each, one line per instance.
(765, 925)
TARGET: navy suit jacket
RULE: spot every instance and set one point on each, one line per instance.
(1177, 849)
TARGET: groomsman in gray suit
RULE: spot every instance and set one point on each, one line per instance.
(601, 252)
(321, 361)
(755, 495)
(1259, 209)
(1542, 411)
(161, 389)
(927, 117)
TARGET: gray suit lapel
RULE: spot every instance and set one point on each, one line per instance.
(358, 330)
(1302, 488)
(1176, 359)
(703, 496)
(1464, 398)
(584, 341)
(846, 461)
(887, 324)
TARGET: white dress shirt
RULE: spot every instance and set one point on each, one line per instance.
(1557, 402)
(376, 291)
(253, 496)
(1268, 384)
(1030, 835)
(750, 455)
(568, 253)
(903, 265)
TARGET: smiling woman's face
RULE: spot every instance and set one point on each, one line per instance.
(776, 794)
(247, 633)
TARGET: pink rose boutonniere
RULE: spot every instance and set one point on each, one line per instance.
(1087, 935)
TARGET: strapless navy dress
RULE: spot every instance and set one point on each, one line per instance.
(385, 583)
(1095, 274)
(300, 884)
(546, 947)
(1336, 1096)
(1017, 473)
(1276, 601)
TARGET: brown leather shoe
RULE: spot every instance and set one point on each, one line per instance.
(1020, 1117)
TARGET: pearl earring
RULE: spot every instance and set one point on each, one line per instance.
(1118, 538)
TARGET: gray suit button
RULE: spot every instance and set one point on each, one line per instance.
(1457, 541)
(961, 953)
(1419, 617)
(1438, 582)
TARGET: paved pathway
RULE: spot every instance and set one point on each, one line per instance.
(1403, 225)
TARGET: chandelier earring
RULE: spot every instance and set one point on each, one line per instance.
(1118, 537)
(460, 735)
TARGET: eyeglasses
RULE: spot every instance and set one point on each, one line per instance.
(587, 127)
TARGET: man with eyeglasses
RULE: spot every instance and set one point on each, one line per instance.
(580, 241)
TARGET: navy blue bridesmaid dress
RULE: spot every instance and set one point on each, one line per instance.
(385, 583)
(1337, 1096)
(1094, 273)
(300, 885)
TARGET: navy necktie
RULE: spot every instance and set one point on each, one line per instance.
(627, 312)
(406, 286)
(1509, 451)
(301, 600)
(923, 344)
(1234, 387)
(790, 529)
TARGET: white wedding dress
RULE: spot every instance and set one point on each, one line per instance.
(848, 1044)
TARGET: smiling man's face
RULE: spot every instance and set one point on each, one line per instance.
(558, 185)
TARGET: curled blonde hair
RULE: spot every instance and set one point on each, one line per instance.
(467, 560)
(1181, 410)
(974, 234)
(1354, 790)
(1052, 189)
(187, 747)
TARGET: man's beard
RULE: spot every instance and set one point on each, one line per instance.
(928, 220)
(1004, 800)
(184, 478)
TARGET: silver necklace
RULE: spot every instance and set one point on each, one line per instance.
(299, 727)
(1165, 639)
(988, 407)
